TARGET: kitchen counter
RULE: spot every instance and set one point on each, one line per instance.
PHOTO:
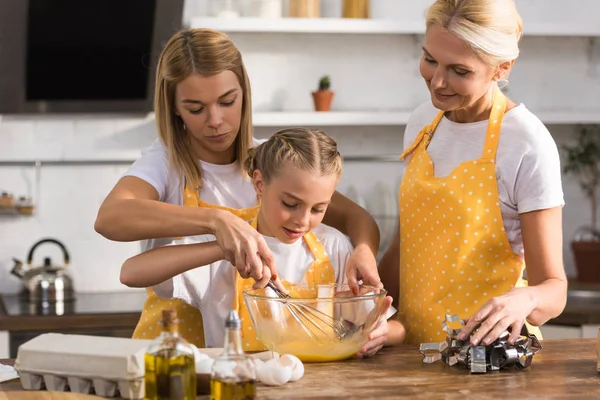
(99, 314)
(583, 305)
(89, 310)
(564, 369)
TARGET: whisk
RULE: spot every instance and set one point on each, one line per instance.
(308, 316)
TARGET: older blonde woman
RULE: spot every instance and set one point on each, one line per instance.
(481, 199)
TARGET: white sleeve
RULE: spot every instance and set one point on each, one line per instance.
(338, 248)
(153, 167)
(538, 183)
(185, 286)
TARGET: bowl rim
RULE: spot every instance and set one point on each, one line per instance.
(370, 296)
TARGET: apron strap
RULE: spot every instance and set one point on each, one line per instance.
(495, 122)
(426, 131)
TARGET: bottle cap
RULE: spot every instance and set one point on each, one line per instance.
(233, 320)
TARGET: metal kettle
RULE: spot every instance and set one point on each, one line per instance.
(48, 282)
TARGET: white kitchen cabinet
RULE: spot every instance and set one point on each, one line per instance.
(589, 331)
(560, 332)
(4, 345)
(551, 331)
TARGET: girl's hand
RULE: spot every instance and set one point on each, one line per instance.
(362, 266)
(497, 314)
(245, 249)
(378, 337)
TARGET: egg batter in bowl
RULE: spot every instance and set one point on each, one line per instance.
(281, 325)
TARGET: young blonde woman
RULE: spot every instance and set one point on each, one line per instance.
(481, 197)
(190, 181)
(294, 175)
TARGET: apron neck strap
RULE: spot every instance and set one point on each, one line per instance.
(495, 122)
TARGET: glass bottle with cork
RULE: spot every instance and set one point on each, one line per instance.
(170, 370)
(233, 376)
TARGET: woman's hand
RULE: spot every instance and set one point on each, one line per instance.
(497, 314)
(379, 336)
(245, 249)
(362, 266)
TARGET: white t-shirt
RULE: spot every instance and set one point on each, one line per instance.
(210, 288)
(527, 160)
(224, 185)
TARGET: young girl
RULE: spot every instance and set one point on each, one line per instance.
(294, 174)
(190, 181)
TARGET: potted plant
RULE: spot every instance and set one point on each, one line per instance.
(323, 96)
(583, 162)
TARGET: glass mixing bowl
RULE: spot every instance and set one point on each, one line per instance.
(318, 323)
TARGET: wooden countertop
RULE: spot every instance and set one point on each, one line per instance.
(564, 369)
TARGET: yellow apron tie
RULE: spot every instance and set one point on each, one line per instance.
(320, 272)
(454, 252)
(191, 324)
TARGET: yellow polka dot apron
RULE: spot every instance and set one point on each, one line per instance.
(454, 252)
(190, 325)
(320, 272)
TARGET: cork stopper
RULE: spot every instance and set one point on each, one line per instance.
(169, 320)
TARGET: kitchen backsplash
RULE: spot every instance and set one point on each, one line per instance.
(68, 197)
(553, 74)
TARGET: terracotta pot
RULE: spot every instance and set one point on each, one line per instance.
(587, 261)
(323, 99)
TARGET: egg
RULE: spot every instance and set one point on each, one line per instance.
(289, 360)
(273, 373)
(204, 366)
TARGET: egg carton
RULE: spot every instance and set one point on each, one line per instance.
(101, 387)
(104, 366)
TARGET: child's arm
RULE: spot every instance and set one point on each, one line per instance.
(158, 265)
(396, 333)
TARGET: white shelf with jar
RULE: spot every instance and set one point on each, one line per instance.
(368, 26)
(309, 25)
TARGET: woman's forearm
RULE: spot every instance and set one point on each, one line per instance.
(550, 298)
(354, 221)
(128, 220)
(158, 265)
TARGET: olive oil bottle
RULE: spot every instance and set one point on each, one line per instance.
(233, 376)
(170, 370)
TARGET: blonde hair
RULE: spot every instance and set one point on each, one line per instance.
(491, 28)
(306, 149)
(204, 52)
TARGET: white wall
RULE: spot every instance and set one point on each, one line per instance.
(368, 72)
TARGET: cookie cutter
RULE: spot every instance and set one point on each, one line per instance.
(500, 354)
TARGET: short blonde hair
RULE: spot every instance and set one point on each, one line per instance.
(491, 28)
(204, 52)
(306, 149)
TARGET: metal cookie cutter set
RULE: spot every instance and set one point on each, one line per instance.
(499, 354)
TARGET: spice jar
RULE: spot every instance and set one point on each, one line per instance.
(7, 200)
(25, 205)
(304, 9)
(356, 9)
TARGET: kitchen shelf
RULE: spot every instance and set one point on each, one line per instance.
(310, 25)
(568, 118)
(381, 118)
(330, 118)
(368, 26)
